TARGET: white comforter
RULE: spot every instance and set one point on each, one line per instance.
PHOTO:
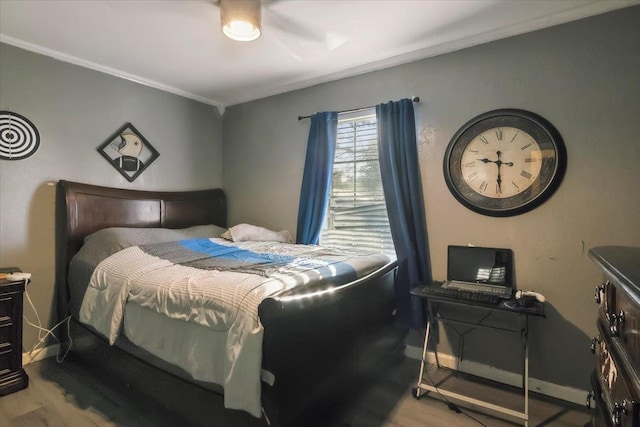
(226, 302)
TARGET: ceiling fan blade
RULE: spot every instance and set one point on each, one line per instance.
(280, 21)
(293, 34)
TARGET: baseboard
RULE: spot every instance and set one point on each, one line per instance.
(546, 388)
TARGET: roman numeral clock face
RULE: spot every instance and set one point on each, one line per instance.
(501, 162)
(504, 162)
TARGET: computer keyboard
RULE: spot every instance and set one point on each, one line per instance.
(438, 290)
(476, 287)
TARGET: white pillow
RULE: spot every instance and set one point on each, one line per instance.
(248, 232)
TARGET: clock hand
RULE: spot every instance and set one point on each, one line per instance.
(499, 179)
(498, 163)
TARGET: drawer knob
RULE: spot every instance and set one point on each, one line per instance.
(619, 409)
(599, 293)
(617, 321)
(613, 329)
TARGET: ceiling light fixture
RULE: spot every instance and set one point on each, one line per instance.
(241, 19)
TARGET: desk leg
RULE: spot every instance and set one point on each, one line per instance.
(433, 308)
(423, 386)
(417, 390)
(525, 375)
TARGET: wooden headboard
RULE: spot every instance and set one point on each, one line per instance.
(82, 209)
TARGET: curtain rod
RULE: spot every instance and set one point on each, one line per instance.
(414, 99)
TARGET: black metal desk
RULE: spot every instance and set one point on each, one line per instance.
(507, 306)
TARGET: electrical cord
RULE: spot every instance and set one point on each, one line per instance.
(38, 346)
(452, 406)
(462, 334)
(460, 338)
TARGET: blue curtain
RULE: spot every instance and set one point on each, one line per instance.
(316, 181)
(402, 187)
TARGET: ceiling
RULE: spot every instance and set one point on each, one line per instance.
(178, 46)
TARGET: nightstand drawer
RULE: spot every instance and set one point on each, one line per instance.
(6, 309)
(12, 376)
(6, 335)
(6, 361)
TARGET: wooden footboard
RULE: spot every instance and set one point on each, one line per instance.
(315, 342)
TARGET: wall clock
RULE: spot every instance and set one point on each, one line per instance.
(504, 162)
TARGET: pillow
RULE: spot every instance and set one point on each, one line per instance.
(248, 232)
(196, 231)
(111, 240)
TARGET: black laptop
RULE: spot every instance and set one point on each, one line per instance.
(477, 269)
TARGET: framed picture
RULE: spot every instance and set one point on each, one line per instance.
(128, 151)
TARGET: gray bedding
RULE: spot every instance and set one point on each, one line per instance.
(104, 243)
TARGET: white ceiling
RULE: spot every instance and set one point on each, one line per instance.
(177, 45)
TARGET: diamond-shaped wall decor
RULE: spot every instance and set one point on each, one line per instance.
(128, 151)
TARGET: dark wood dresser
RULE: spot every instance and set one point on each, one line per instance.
(12, 376)
(616, 379)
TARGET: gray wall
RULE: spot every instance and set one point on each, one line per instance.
(76, 110)
(584, 77)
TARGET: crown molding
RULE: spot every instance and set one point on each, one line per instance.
(541, 23)
(107, 70)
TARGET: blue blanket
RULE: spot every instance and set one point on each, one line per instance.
(207, 255)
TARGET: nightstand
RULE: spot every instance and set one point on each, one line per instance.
(12, 376)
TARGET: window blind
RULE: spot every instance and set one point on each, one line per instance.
(357, 215)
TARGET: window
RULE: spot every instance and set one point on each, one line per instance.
(357, 216)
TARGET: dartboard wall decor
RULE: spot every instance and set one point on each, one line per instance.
(19, 138)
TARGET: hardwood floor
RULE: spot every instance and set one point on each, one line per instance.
(75, 394)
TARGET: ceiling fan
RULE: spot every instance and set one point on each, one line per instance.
(242, 20)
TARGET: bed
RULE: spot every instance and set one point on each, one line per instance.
(311, 336)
